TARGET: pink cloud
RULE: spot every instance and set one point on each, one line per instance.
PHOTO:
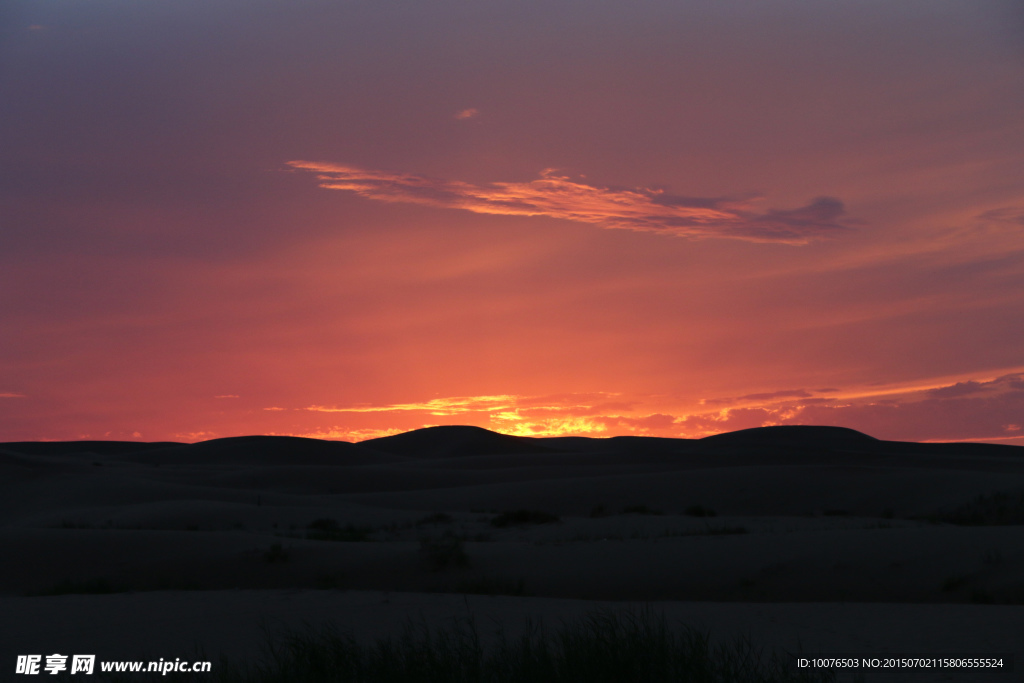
(558, 196)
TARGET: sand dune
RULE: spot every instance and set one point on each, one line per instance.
(775, 516)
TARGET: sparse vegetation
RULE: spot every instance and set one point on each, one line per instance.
(443, 552)
(523, 518)
(603, 647)
(699, 511)
(836, 513)
(1002, 508)
(599, 511)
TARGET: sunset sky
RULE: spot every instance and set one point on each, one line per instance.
(349, 218)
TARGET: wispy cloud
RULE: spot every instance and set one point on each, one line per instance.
(774, 395)
(1006, 214)
(436, 406)
(11, 395)
(971, 410)
(455, 405)
(558, 196)
(467, 114)
(227, 396)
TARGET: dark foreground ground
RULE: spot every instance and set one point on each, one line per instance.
(773, 526)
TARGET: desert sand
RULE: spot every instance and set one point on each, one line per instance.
(817, 538)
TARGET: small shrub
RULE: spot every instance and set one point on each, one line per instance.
(699, 511)
(276, 553)
(640, 510)
(523, 518)
(836, 513)
(443, 552)
(599, 511)
(888, 513)
(995, 509)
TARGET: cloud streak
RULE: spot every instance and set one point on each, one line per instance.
(455, 405)
(557, 196)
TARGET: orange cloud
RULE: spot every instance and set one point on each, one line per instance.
(11, 395)
(557, 196)
(436, 406)
(467, 114)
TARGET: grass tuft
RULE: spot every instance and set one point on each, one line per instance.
(603, 647)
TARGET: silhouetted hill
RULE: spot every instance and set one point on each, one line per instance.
(462, 441)
(799, 436)
(250, 450)
(267, 450)
(84, 447)
(452, 441)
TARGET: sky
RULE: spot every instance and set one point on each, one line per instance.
(351, 218)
